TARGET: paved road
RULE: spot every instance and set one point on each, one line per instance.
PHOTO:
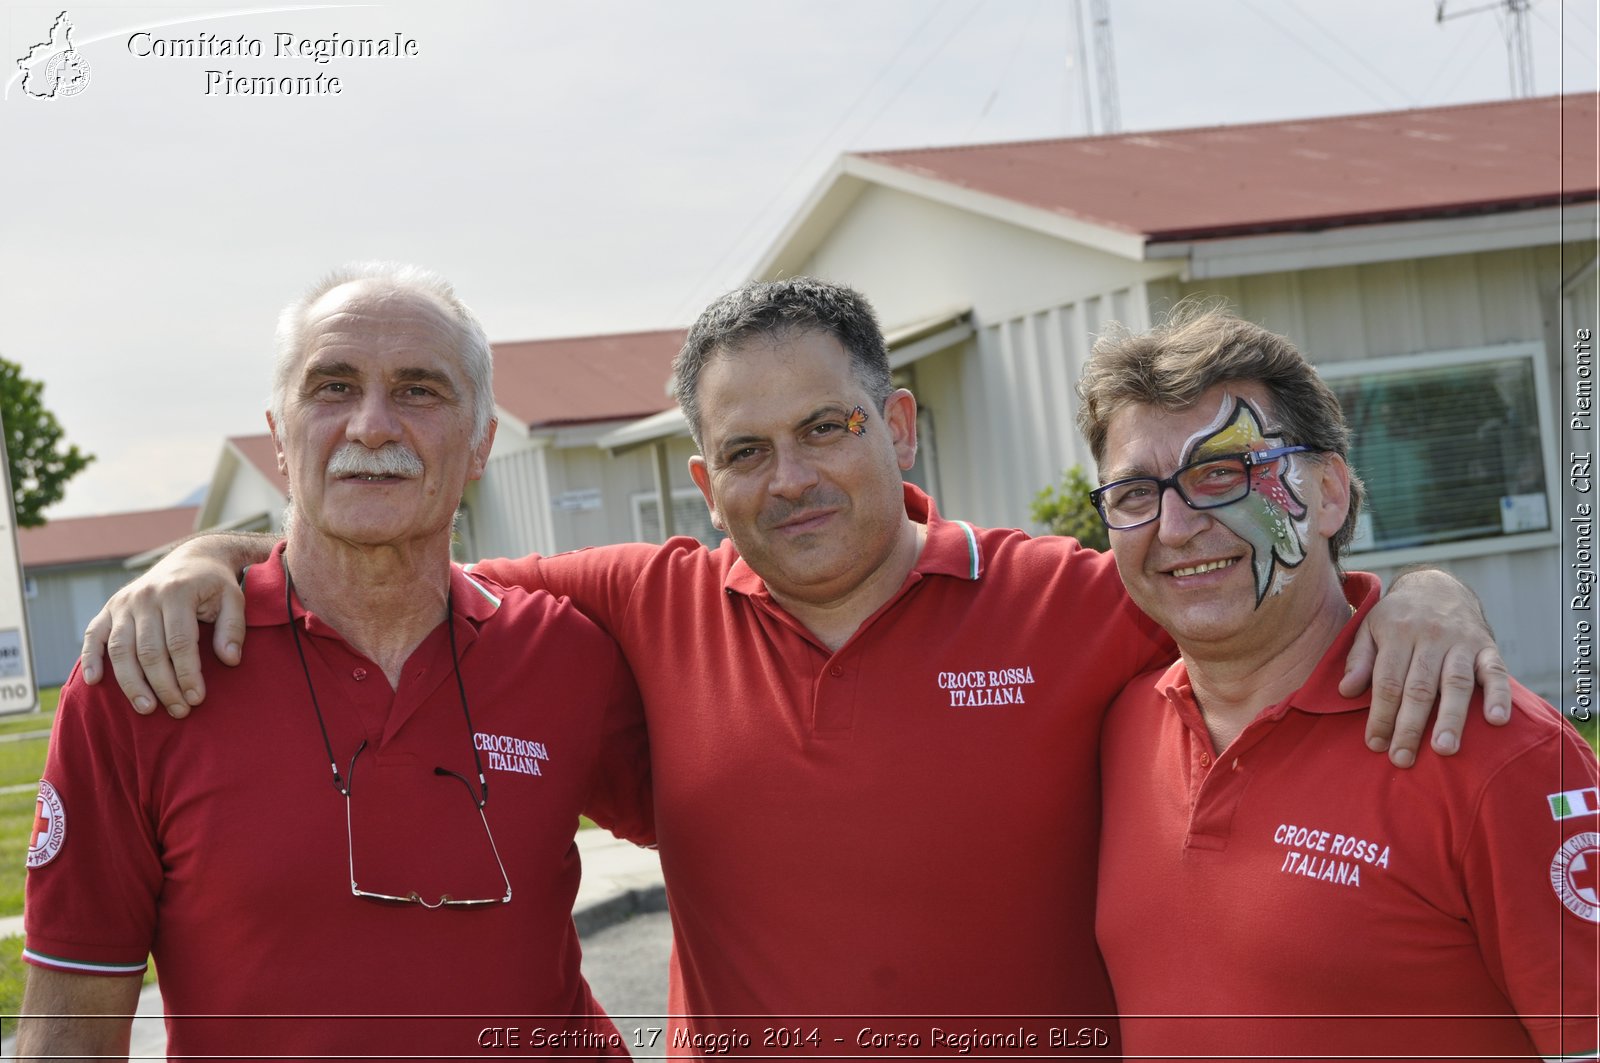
(626, 966)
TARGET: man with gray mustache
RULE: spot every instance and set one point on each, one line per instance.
(393, 459)
(367, 848)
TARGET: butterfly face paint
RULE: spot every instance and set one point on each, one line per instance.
(856, 424)
(1271, 518)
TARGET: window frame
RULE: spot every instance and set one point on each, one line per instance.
(638, 499)
(1531, 351)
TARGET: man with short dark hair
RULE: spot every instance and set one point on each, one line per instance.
(372, 829)
(1266, 888)
(873, 730)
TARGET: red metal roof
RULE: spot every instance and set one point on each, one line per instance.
(586, 378)
(76, 540)
(1302, 175)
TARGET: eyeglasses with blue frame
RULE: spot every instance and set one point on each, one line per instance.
(1210, 483)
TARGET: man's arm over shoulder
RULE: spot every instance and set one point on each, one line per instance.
(150, 628)
(76, 1016)
(599, 580)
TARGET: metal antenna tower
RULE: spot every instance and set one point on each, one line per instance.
(1519, 41)
(1105, 66)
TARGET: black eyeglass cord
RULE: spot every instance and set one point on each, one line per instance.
(340, 783)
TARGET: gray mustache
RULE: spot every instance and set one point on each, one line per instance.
(391, 459)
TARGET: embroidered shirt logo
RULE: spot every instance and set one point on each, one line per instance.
(505, 753)
(1327, 856)
(49, 826)
(1575, 875)
(1000, 686)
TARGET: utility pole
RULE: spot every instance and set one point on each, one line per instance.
(1519, 41)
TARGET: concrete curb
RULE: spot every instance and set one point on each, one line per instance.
(592, 918)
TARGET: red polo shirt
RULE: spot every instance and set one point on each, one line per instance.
(904, 827)
(220, 844)
(1297, 895)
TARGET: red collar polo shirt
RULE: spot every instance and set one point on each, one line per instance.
(220, 844)
(1298, 896)
(906, 827)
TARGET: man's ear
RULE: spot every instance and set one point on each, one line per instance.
(701, 475)
(1333, 479)
(277, 445)
(900, 414)
(480, 453)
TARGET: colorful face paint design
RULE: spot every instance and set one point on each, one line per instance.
(856, 424)
(1271, 518)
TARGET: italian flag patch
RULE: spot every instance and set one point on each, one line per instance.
(1570, 803)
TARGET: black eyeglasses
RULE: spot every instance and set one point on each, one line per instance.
(1210, 483)
(344, 783)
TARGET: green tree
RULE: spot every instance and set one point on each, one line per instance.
(1065, 509)
(40, 464)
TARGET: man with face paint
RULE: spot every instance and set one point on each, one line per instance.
(873, 730)
(1266, 888)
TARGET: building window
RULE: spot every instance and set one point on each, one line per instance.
(1448, 445)
(689, 516)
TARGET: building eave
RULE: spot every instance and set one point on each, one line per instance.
(1350, 245)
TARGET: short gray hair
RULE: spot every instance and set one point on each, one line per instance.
(476, 358)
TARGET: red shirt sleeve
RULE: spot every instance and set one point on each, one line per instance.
(1532, 876)
(93, 883)
(621, 798)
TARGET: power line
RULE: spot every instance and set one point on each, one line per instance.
(693, 297)
(1333, 39)
(1281, 28)
(1513, 18)
(1461, 47)
(1577, 41)
(1006, 69)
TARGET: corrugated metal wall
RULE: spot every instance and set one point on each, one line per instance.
(1004, 406)
(64, 603)
(510, 508)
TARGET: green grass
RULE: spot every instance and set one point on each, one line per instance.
(1590, 729)
(21, 765)
(32, 721)
(16, 819)
(13, 972)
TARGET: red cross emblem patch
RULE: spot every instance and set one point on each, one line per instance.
(49, 826)
(1575, 875)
